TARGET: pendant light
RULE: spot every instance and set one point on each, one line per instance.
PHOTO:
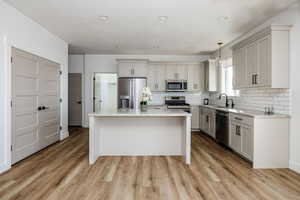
(220, 51)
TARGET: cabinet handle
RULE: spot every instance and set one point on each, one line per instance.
(238, 130)
(156, 86)
(252, 79)
(133, 71)
(255, 78)
(237, 118)
(207, 118)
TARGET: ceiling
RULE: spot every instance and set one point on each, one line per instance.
(133, 26)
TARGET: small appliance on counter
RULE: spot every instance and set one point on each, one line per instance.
(206, 101)
(177, 102)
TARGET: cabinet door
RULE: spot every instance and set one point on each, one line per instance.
(176, 72)
(139, 69)
(151, 77)
(201, 118)
(239, 67)
(195, 77)
(171, 72)
(182, 72)
(251, 63)
(235, 137)
(195, 117)
(264, 62)
(212, 124)
(125, 69)
(161, 77)
(211, 76)
(246, 142)
(205, 121)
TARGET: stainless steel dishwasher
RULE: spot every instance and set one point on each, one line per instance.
(222, 127)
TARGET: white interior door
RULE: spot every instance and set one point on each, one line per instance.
(35, 84)
(49, 116)
(75, 99)
(105, 91)
(25, 72)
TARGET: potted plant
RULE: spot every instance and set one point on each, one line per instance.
(146, 97)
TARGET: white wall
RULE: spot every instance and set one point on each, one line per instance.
(76, 63)
(21, 32)
(290, 16)
(108, 64)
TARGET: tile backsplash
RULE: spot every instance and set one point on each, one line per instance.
(158, 98)
(258, 99)
(252, 99)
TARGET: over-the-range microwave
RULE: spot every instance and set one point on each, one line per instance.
(176, 85)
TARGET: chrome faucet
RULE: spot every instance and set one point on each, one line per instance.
(227, 100)
(225, 95)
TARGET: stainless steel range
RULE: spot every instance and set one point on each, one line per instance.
(177, 102)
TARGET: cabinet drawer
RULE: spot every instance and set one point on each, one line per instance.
(241, 119)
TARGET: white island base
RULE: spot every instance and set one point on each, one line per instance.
(135, 133)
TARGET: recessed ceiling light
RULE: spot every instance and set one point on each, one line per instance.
(163, 18)
(223, 18)
(103, 18)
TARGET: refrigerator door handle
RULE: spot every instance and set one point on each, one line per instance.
(131, 93)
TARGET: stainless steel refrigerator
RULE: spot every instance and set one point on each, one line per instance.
(129, 92)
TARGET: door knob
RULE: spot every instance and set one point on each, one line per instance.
(79, 102)
(45, 108)
(40, 108)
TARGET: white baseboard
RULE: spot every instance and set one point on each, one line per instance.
(64, 135)
(4, 167)
(295, 166)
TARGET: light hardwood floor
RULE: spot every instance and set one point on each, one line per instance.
(62, 172)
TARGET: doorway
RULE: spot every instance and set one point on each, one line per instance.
(75, 99)
(105, 91)
(35, 104)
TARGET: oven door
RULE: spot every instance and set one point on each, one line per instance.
(176, 86)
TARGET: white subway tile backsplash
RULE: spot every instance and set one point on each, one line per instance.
(258, 99)
(158, 98)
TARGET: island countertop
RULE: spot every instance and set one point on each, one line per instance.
(151, 112)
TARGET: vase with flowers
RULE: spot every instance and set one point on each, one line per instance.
(146, 97)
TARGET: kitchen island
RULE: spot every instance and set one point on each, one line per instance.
(156, 132)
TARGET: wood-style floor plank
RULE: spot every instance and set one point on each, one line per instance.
(62, 172)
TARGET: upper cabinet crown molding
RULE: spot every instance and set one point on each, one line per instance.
(262, 59)
(260, 34)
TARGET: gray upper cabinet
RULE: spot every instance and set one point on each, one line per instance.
(176, 71)
(158, 72)
(156, 77)
(262, 60)
(210, 75)
(195, 77)
(132, 68)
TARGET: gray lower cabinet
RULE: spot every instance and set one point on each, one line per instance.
(208, 121)
(241, 135)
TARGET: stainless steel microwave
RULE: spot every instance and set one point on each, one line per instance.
(176, 85)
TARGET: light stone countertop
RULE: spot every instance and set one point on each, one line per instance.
(151, 112)
(250, 113)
